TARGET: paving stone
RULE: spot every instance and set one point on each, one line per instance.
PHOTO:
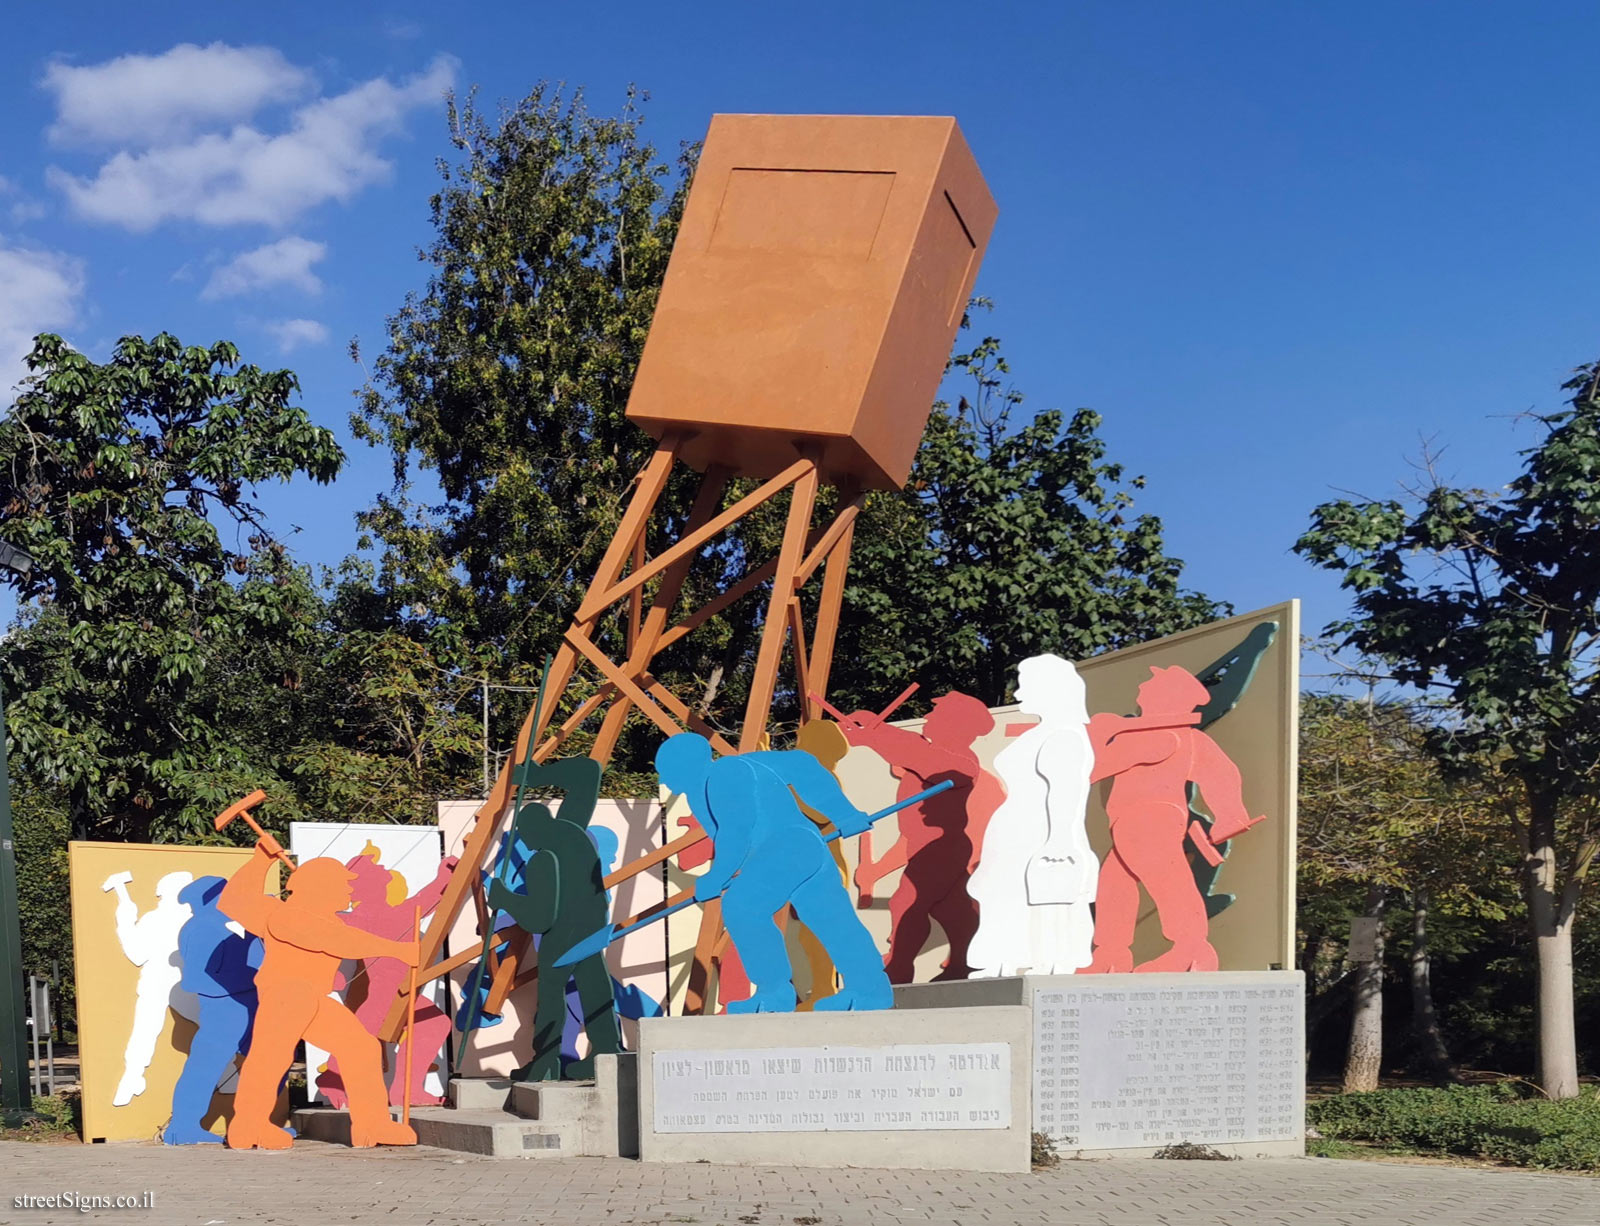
(426, 1187)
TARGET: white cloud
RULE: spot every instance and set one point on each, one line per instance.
(22, 208)
(42, 293)
(246, 176)
(285, 262)
(292, 333)
(151, 99)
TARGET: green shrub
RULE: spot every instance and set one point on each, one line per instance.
(1493, 1121)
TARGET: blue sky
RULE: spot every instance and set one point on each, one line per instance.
(1275, 245)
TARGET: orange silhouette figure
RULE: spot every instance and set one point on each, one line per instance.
(304, 939)
(1151, 759)
(940, 839)
(376, 910)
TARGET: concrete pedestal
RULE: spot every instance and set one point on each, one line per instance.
(500, 1118)
(929, 1089)
(1124, 1065)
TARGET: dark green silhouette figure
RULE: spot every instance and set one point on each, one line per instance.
(563, 900)
(1227, 679)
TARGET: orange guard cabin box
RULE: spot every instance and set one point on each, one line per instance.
(818, 279)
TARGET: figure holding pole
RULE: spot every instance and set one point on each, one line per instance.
(939, 838)
(770, 855)
(304, 939)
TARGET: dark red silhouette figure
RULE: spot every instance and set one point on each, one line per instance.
(1151, 759)
(304, 939)
(941, 838)
(373, 912)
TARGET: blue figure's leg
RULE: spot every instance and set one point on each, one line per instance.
(748, 915)
(572, 1026)
(224, 1023)
(824, 907)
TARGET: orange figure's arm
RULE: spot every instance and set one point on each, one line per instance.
(329, 934)
(244, 899)
(1222, 788)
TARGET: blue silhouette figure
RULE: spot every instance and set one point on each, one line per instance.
(769, 855)
(219, 967)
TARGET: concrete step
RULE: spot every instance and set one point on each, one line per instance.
(495, 1134)
(556, 1102)
(480, 1093)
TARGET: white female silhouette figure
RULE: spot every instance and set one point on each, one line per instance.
(1036, 872)
(150, 942)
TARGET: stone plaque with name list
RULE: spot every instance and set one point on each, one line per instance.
(1123, 1066)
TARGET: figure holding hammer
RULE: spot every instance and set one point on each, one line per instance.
(304, 940)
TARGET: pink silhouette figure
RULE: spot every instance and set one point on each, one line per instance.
(1151, 759)
(377, 910)
(941, 838)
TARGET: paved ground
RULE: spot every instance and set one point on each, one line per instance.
(322, 1183)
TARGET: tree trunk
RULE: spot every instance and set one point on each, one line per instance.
(1364, 1058)
(1431, 1051)
(1308, 965)
(1550, 909)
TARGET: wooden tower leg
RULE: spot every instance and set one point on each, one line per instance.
(769, 656)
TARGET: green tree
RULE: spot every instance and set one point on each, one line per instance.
(1381, 830)
(1010, 539)
(1491, 601)
(44, 907)
(131, 484)
(508, 376)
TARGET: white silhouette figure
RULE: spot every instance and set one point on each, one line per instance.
(1036, 872)
(150, 942)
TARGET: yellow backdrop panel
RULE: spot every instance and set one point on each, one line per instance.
(108, 984)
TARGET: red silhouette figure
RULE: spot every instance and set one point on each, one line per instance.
(376, 911)
(1151, 759)
(304, 939)
(940, 839)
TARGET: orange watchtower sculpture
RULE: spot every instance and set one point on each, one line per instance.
(819, 276)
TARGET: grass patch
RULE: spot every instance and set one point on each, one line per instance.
(1497, 1122)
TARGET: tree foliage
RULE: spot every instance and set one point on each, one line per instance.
(1375, 806)
(130, 483)
(1012, 537)
(1490, 601)
(507, 378)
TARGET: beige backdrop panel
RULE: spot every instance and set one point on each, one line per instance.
(108, 983)
(1260, 734)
